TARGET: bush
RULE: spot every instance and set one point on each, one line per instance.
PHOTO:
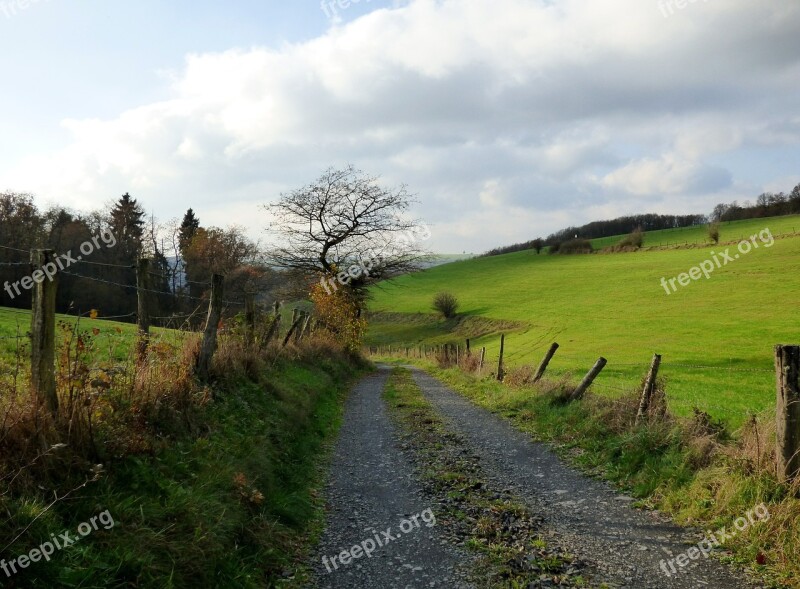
(713, 232)
(573, 246)
(446, 304)
(634, 239)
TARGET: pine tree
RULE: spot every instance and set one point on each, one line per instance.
(127, 224)
(188, 230)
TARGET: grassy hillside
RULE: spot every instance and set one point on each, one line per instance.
(729, 231)
(716, 335)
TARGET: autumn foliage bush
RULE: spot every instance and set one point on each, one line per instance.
(338, 312)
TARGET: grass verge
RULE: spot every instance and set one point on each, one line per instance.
(687, 468)
(234, 502)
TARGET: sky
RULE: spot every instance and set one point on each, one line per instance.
(509, 119)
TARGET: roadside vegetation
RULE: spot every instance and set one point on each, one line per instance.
(689, 468)
(208, 484)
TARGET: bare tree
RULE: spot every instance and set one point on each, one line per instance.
(347, 228)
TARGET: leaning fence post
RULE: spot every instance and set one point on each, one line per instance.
(273, 329)
(209, 345)
(292, 329)
(43, 329)
(143, 309)
(500, 374)
(649, 387)
(589, 379)
(787, 372)
(545, 362)
(250, 317)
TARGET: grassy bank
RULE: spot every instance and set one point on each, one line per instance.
(689, 468)
(227, 496)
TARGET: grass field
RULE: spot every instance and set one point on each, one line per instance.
(716, 336)
(729, 231)
(113, 340)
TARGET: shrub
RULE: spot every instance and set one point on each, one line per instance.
(634, 239)
(713, 232)
(446, 304)
(574, 246)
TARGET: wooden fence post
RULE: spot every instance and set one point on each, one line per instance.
(483, 357)
(292, 329)
(209, 345)
(649, 387)
(43, 329)
(588, 379)
(273, 329)
(500, 374)
(250, 317)
(143, 308)
(787, 372)
(545, 362)
(469, 352)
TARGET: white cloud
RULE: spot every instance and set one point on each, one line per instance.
(552, 108)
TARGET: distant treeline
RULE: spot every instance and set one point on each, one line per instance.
(767, 204)
(184, 256)
(595, 229)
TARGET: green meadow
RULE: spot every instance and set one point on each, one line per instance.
(716, 335)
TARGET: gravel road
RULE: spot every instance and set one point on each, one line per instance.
(585, 515)
(372, 490)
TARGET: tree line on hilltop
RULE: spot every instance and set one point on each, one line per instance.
(768, 204)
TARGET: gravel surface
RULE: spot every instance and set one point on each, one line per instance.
(585, 515)
(371, 490)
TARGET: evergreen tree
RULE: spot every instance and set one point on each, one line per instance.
(189, 228)
(127, 224)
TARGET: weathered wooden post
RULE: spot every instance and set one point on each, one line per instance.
(787, 372)
(292, 329)
(500, 374)
(276, 308)
(458, 355)
(649, 387)
(295, 312)
(469, 352)
(588, 379)
(143, 308)
(483, 357)
(545, 362)
(209, 345)
(250, 317)
(302, 317)
(43, 328)
(273, 330)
